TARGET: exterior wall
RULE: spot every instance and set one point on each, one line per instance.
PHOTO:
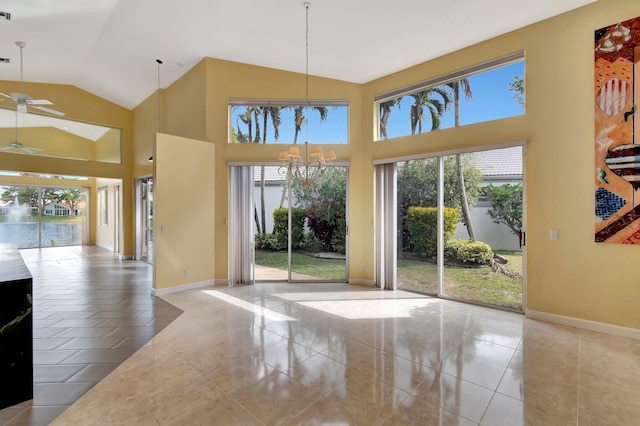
(498, 236)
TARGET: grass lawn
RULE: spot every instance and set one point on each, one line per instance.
(327, 269)
(473, 284)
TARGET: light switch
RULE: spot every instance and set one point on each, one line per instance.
(163, 228)
(554, 234)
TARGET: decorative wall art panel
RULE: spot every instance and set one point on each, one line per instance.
(617, 168)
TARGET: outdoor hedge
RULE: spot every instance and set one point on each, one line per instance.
(281, 225)
(467, 251)
(422, 225)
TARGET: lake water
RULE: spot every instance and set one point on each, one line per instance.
(25, 234)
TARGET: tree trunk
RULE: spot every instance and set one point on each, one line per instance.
(262, 204)
(466, 215)
(256, 218)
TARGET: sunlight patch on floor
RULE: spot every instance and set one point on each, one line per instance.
(250, 307)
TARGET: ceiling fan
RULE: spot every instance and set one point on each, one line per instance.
(18, 145)
(24, 100)
(14, 144)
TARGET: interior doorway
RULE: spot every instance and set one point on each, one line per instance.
(144, 219)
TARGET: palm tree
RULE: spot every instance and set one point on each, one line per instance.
(247, 119)
(250, 117)
(436, 100)
(274, 113)
(385, 111)
(456, 87)
(298, 119)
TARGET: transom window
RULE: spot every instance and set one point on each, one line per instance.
(484, 92)
(287, 122)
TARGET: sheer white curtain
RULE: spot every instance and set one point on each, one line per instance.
(242, 249)
(386, 226)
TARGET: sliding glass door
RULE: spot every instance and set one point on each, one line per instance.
(459, 222)
(487, 268)
(300, 226)
(417, 192)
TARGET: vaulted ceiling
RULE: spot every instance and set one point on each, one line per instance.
(109, 47)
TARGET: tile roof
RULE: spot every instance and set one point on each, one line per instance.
(499, 162)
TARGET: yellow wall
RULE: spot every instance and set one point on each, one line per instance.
(184, 191)
(235, 80)
(572, 276)
(106, 234)
(108, 147)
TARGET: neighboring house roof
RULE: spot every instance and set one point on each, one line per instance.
(271, 174)
(493, 163)
(499, 162)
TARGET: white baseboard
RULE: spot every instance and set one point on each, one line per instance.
(183, 287)
(104, 246)
(362, 282)
(221, 282)
(601, 327)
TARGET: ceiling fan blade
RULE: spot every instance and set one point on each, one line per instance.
(22, 107)
(49, 110)
(30, 149)
(39, 102)
(6, 96)
(5, 148)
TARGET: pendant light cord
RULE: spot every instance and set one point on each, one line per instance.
(306, 72)
(159, 63)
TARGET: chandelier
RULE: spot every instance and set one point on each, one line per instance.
(309, 168)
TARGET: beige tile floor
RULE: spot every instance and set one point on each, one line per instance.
(91, 311)
(311, 354)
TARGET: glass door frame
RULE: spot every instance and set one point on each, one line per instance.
(440, 224)
(141, 217)
(289, 278)
(290, 271)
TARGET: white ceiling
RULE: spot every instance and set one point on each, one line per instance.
(109, 47)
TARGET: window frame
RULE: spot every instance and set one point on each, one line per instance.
(287, 103)
(440, 80)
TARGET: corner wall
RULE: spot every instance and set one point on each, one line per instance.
(184, 196)
(572, 276)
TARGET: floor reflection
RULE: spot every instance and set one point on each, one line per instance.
(340, 354)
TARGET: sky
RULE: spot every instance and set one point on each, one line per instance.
(491, 100)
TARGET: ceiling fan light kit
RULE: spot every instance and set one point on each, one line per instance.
(23, 100)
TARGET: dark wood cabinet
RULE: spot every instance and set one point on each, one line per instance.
(16, 328)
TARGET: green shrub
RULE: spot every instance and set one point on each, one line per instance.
(270, 242)
(467, 251)
(422, 225)
(281, 225)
